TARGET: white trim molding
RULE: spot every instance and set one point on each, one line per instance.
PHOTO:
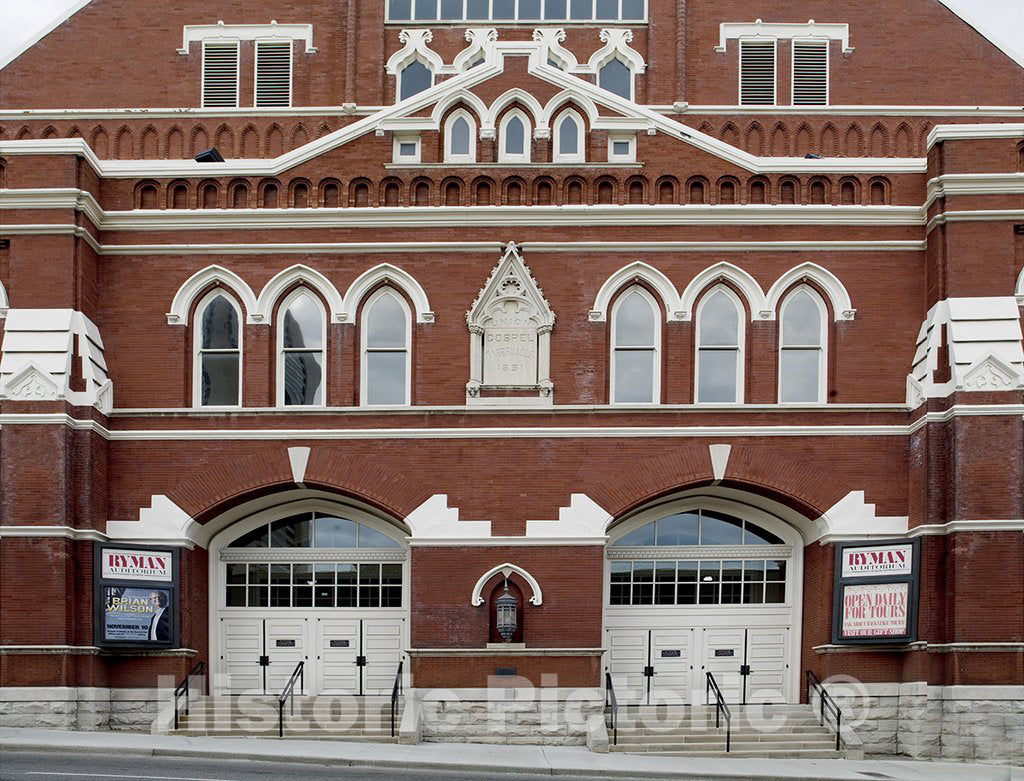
(200, 281)
(638, 271)
(199, 33)
(64, 532)
(386, 273)
(4, 301)
(722, 271)
(415, 48)
(263, 312)
(506, 569)
(839, 297)
(975, 132)
(1019, 292)
(758, 29)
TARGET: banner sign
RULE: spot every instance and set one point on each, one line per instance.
(876, 592)
(135, 595)
(121, 564)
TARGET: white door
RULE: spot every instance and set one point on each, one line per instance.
(627, 657)
(766, 657)
(241, 645)
(671, 659)
(337, 646)
(382, 649)
(722, 655)
(287, 645)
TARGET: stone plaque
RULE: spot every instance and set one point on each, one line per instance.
(510, 356)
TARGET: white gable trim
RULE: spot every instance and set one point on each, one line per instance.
(197, 33)
(312, 278)
(842, 308)
(4, 301)
(719, 272)
(616, 44)
(489, 118)
(479, 39)
(391, 275)
(415, 49)
(627, 275)
(195, 284)
(506, 569)
(757, 29)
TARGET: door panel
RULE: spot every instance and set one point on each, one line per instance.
(769, 673)
(722, 657)
(287, 645)
(627, 657)
(241, 644)
(382, 647)
(671, 657)
(337, 646)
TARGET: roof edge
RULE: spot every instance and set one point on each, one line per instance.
(985, 33)
(43, 31)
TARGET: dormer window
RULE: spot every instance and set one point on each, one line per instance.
(413, 79)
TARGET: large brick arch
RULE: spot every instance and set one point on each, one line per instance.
(210, 490)
(793, 482)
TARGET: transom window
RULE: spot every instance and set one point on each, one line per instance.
(314, 530)
(516, 10)
(698, 527)
(698, 582)
(313, 584)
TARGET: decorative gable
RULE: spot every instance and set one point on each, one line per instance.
(510, 326)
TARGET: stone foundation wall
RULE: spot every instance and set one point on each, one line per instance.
(968, 723)
(84, 708)
(513, 716)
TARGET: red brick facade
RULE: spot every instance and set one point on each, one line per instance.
(111, 226)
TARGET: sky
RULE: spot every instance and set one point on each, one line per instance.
(20, 19)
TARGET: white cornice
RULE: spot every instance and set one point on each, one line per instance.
(974, 184)
(197, 33)
(935, 530)
(758, 29)
(974, 132)
(47, 229)
(65, 532)
(864, 110)
(976, 215)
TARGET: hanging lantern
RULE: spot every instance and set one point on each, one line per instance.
(506, 606)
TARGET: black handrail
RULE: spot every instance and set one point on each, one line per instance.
(826, 699)
(183, 689)
(613, 704)
(720, 709)
(396, 690)
(289, 691)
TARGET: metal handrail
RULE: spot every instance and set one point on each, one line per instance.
(812, 680)
(182, 689)
(612, 703)
(396, 690)
(720, 709)
(289, 691)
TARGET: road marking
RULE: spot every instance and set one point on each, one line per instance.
(112, 775)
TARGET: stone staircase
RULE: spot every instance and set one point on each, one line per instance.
(768, 731)
(324, 717)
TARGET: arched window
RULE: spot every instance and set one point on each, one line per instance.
(460, 138)
(720, 337)
(413, 79)
(514, 135)
(568, 146)
(386, 334)
(802, 347)
(301, 356)
(616, 77)
(218, 355)
(636, 339)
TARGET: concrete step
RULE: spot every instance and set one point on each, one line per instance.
(764, 727)
(809, 753)
(361, 737)
(697, 737)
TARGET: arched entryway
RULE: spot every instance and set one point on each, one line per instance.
(315, 580)
(703, 584)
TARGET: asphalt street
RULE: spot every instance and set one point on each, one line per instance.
(47, 766)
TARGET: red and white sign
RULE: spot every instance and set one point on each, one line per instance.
(136, 565)
(878, 560)
(876, 610)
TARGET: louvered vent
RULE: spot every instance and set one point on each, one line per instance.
(810, 73)
(220, 74)
(273, 73)
(757, 73)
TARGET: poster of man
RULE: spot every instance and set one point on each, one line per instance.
(136, 614)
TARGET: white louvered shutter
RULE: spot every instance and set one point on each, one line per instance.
(810, 73)
(273, 73)
(757, 73)
(220, 74)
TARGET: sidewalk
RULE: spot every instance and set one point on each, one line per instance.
(495, 759)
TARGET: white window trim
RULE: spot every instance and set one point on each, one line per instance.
(363, 333)
(632, 76)
(256, 70)
(295, 294)
(792, 71)
(741, 337)
(656, 313)
(629, 157)
(400, 139)
(822, 345)
(197, 350)
(238, 68)
(401, 73)
(580, 156)
(450, 157)
(503, 156)
(775, 81)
